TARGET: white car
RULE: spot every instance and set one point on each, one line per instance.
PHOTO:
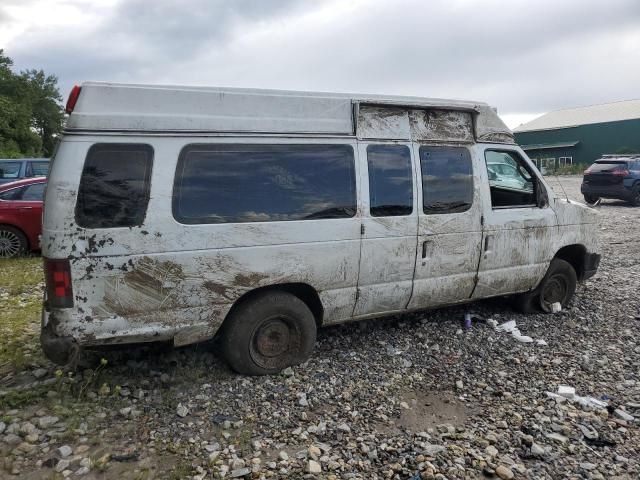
(508, 176)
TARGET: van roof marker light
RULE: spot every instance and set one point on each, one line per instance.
(73, 98)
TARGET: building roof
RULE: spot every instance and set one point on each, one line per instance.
(544, 146)
(127, 107)
(572, 117)
(34, 159)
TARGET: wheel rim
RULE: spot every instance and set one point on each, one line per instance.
(9, 244)
(554, 291)
(275, 342)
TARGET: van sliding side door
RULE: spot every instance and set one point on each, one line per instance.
(389, 227)
(449, 226)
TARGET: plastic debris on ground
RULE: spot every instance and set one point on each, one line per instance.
(566, 392)
(469, 318)
(556, 307)
(512, 328)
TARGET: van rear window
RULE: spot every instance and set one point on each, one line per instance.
(224, 183)
(114, 188)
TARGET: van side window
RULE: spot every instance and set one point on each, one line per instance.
(390, 180)
(227, 183)
(447, 179)
(511, 180)
(114, 187)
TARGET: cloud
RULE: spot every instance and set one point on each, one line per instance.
(524, 57)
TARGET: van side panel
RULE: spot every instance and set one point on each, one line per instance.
(165, 279)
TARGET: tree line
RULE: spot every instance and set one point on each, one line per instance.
(31, 113)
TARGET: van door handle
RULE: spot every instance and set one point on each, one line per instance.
(487, 243)
(25, 208)
(427, 248)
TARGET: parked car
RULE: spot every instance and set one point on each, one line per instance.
(17, 169)
(506, 175)
(21, 216)
(256, 216)
(613, 176)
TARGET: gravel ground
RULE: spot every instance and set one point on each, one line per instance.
(405, 397)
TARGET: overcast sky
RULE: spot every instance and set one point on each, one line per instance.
(524, 57)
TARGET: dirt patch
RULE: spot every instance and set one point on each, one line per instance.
(428, 410)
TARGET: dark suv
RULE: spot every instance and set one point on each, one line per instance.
(19, 168)
(613, 176)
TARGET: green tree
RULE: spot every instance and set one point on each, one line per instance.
(47, 116)
(31, 116)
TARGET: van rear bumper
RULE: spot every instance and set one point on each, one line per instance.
(64, 333)
(61, 350)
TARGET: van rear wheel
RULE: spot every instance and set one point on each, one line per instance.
(268, 333)
(557, 286)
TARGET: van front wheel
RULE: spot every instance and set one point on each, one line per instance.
(268, 333)
(557, 286)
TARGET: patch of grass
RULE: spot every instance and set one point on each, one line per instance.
(21, 284)
(22, 398)
(181, 470)
(575, 169)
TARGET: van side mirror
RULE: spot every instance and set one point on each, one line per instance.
(541, 193)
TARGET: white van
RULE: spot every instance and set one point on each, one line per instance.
(182, 213)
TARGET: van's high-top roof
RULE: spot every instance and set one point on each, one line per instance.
(183, 109)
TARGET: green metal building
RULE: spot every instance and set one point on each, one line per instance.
(581, 135)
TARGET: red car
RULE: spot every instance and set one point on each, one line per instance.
(21, 216)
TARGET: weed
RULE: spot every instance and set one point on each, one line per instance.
(21, 284)
(22, 398)
(181, 470)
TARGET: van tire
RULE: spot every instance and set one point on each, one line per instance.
(558, 285)
(13, 242)
(527, 302)
(268, 333)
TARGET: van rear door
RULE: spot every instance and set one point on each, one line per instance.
(390, 225)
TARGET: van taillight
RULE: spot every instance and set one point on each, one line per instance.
(73, 98)
(58, 279)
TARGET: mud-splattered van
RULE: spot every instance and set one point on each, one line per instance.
(181, 213)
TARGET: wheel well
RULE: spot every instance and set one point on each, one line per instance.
(575, 255)
(26, 237)
(303, 291)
